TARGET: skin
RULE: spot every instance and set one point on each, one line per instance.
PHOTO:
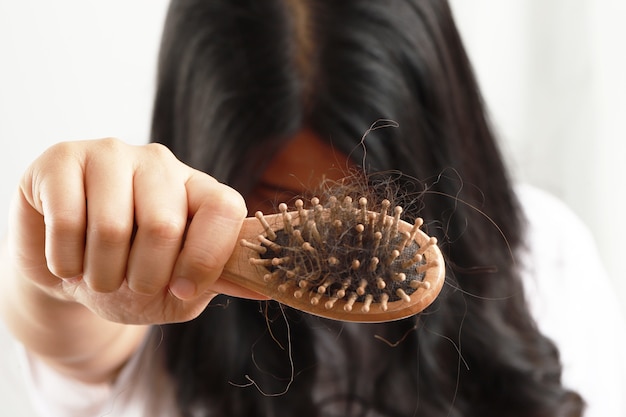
(300, 166)
(106, 239)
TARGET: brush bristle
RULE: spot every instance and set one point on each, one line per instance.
(343, 251)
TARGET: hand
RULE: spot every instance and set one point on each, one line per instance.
(128, 231)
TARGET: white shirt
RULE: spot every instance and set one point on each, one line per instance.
(568, 290)
(574, 303)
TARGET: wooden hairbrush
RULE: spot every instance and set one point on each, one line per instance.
(339, 260)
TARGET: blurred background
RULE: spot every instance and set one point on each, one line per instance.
(553, 74)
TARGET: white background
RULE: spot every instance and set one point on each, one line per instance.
(553, 73)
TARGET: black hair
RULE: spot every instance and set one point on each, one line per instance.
(238, 78)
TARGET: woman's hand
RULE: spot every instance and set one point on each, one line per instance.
(130, 232)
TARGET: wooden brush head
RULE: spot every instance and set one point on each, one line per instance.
(340, 260)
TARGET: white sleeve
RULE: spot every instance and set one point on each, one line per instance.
(574, 303)
(142, 389)
(54, 395)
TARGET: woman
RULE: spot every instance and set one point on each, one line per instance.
(270, 98)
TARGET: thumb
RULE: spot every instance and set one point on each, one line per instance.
(217, 212)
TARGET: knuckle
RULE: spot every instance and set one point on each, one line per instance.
(64, 242)
(164, 230)
(65, 269)
(110, 143)
(101, 286)
(55, 155)
(229, 202)
(72, 149)
(109, 148)
(110, 233)
(143, 286)
(65, 225)
(200, 262)
(59, 149)
(159, 150)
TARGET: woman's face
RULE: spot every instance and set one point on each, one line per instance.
(302, 165)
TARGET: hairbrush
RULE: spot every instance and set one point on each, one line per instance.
(339, 260)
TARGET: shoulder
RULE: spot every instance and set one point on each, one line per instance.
(573, 300)
(560, 262)
(547, 215)
(559, 255)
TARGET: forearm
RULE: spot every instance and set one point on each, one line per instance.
(65, 334)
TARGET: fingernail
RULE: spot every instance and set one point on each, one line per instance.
(183, 289)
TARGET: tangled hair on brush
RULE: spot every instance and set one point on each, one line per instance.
(237, 79)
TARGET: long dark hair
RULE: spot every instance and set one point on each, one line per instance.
(237, 78)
